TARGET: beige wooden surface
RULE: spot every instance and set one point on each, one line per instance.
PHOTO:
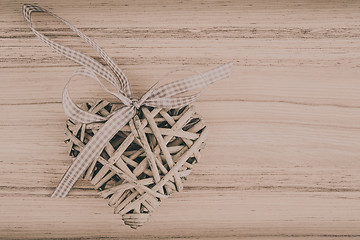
(282, 164)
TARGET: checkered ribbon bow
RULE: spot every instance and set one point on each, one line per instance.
(164, 96)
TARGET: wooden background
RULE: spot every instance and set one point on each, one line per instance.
(283, 155)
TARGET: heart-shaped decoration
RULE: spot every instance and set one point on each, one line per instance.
(147, 160)
(138, 151)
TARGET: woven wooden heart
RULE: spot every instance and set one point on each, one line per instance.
(147, 160)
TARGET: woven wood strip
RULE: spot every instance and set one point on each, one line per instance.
(145, 161)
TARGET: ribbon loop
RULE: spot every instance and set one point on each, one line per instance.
(120, 81)
(76, 113)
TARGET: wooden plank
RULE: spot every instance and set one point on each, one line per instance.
(282, 164)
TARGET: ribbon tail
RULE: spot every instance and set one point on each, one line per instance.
(200, 81)
(92, 149)
(165, 95)
(172, 102)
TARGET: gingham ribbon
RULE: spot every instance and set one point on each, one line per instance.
(163, 96)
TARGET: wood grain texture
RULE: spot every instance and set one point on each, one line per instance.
(283, 164)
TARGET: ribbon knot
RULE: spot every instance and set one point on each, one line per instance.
(164, 96)
(135, 103)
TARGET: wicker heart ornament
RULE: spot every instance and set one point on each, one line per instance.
(136, 152)
(156, 149)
